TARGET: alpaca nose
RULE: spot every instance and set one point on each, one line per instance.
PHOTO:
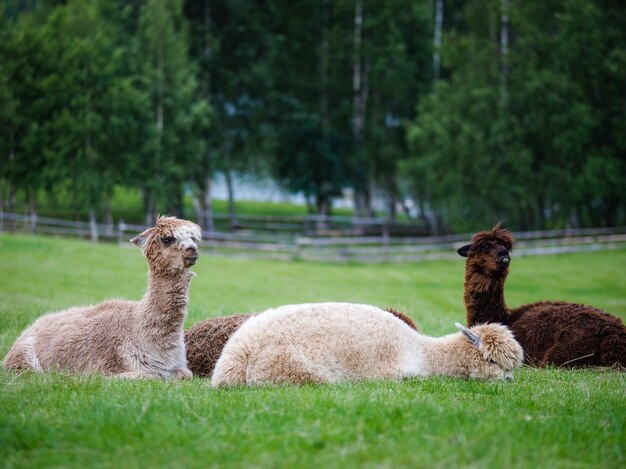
(508, 376)
(192, 251)
(504, 257)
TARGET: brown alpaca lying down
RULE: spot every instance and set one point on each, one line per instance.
(551, 333)
(206, 340)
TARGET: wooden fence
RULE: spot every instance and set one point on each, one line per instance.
(321, 225)
(290, 246)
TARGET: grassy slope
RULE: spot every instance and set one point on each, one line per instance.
(127, 205)
(545, 417)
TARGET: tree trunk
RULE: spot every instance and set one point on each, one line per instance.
(149, 195)
(323, 68)
(208, 49)
(437, 40)
(32, 203)
(160, 112)
(541, 208)
(611, 210)
(356, 67)
(573, 221)
(504, 51)
(203, 205)
(160, 125)
(391, 202)
(371, 186)
(148, 207)
(108, 217)
(1, 207)
(11, 194)
(310, 207)
(359, 202)
(207, 205)
(323, 210)
(93, 226)
(360, 89)
(431, 217)
(176, 205)
(232, 217)
(405, 209)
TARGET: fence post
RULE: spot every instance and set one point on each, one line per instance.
(297, 249)
(121, 228)
(385, 239)
(33, 222)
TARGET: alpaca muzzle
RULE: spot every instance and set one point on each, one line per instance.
(191, 256)
(504, 261)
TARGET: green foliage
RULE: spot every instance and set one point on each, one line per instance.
(81, 47)
(526, 136)
(168, 79)
(158, 95)
(545, 417)
(83, 86)
(316, 149)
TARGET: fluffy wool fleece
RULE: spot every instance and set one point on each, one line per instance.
(333, 342)
(132, 339)
(206, 339)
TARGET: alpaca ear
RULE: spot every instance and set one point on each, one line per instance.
(471, 336)
(464, 250)
(138, 240)
(141, 238)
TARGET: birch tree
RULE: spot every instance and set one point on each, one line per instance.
(171, 89)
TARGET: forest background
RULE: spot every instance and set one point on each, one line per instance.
(474, 110)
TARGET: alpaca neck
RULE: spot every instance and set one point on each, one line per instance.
(434, 356)
(484, 298)
(164, 306)
(447, 356)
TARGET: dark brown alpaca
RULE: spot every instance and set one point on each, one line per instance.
(551, 333)
(206, 340)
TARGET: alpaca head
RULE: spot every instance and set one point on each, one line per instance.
(489, 252)
(171, 246)
(493, 352)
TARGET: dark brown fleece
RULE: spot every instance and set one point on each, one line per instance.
(551, 333)
(206, 340)
(403, 317)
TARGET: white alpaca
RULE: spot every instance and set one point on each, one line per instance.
(332, 342)
(143, 339)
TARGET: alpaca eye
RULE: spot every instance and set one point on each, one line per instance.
(485, 247)
(492, 361)
(167, 240)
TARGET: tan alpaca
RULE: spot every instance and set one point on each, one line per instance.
(205, 340)
(131, 339)
(332, 342)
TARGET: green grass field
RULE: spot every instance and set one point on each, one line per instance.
(127, 205)
(545, 418)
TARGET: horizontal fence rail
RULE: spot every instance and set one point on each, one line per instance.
(289, 246)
